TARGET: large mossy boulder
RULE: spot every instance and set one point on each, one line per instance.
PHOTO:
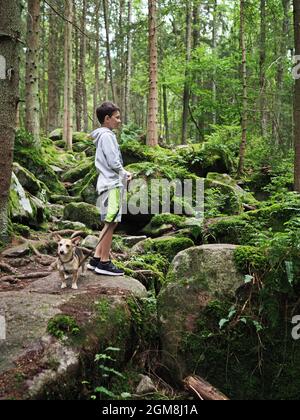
(247, 228)
(84, 213)
(196, 277)
(223, 196)
(173, 224)
(78, 172)
(39, 161)
(206, 157)
(29, 182)
(168, 247)
(53, 337)
(224, 179)
(24, 207)
(86, 187)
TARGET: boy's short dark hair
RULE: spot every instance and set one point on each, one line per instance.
(107, 108)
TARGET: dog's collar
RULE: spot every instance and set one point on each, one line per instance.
(66, 262)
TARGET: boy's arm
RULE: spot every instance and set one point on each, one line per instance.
(112, 155)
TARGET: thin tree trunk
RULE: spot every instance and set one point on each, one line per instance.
(262, 70)
(32, 119)
(279, 121)
(166, 119)
(196, 44)
(10, 28)
(53, 73)
(128, 65)
(83, 92)
(297, 98)
(68, 90)
(97, 58)
(120, 88)
(245, 91)
(106, 19)
(77, 87)
(186, 93)
(214, 46)
(152, 130)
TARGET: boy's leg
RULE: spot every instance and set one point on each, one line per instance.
(103, 249)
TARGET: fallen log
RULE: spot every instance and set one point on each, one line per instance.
(203, 390)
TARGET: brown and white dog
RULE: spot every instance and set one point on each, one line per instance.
(70, 259)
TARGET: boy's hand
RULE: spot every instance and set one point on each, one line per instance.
(129, 176)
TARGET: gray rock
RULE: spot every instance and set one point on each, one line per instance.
(90, 242)
(67, 224)
(17, 251)
(146, 386)
(196, 277)
(99, 307)
(133, 240)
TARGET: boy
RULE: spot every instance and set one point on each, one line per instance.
(110, 186)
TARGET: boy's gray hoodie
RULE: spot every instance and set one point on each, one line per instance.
(108, 160)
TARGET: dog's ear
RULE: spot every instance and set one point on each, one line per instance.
(57, 237)
(76, 240)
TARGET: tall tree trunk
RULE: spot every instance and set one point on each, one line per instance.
(297, 98)
(97, 58)
(128, 65)
(10, 28)
(166, 119)
(283, 49)
(196, 44)
(245, 91)
(186, 93)
(120, 88)
(77, 87)
(214, 47)
(68, 92)
(106, 19)
(262, 69)
(32, 119)
(82, 67)
(152, 129)
(53, 73)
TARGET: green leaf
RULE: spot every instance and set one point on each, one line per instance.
(105, 391)
(223, 322)
(113, 349)
(249, 279)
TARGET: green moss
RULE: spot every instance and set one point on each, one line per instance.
(78, 172)
(84, 213)
(86, 187)
(37, 161)
(145, 322)
(249, 259)
(233, 230)
(168, 247)
(62, 325)
(21, 230)
(79, 136)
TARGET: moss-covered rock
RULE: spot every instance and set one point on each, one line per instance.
(207, 157)
(86, 187)
(56, 134)
(78, 172)
(173, 224)
(245, 196)
(29, 182)
(38, 161)
(168, 247)
(63, 199)
(196, 277)
(231, 230)
(24, 207)
(84, 213)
